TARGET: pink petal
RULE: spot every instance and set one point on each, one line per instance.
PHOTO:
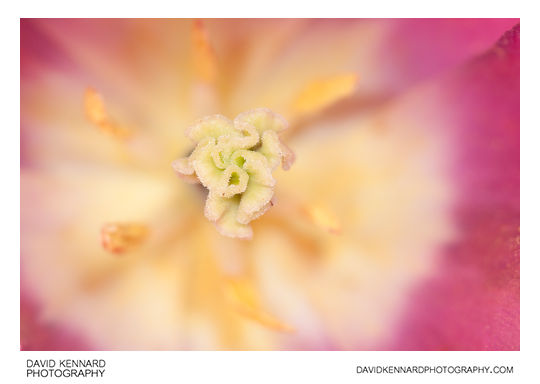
(473, 303)
(37, 334)
(416, 49)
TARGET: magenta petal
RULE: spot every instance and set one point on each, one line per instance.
(39, 335)
(473, 302)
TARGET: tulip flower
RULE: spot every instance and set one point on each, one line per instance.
(396, 227)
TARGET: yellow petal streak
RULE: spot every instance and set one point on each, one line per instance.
(120, 237)
(322, 93)
(204, 59)
(96, 113)
(243, 298)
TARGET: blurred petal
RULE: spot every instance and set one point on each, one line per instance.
(262, 62)
(435, 175)
(385, 55)
(358, 222)
(129, 63)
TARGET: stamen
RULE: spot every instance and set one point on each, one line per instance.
(243, 298)
(97, 114)
(121, 237)
(322, 93)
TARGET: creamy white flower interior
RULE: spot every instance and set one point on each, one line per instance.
(234, 160)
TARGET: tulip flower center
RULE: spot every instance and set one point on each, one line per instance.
(234, 160)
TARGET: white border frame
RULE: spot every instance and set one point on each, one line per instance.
(339, 367)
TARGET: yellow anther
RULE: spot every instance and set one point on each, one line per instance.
(324, 218)
(94, 107)
(121, 237)
(322, 93)
(242, 296)
(97, 114)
